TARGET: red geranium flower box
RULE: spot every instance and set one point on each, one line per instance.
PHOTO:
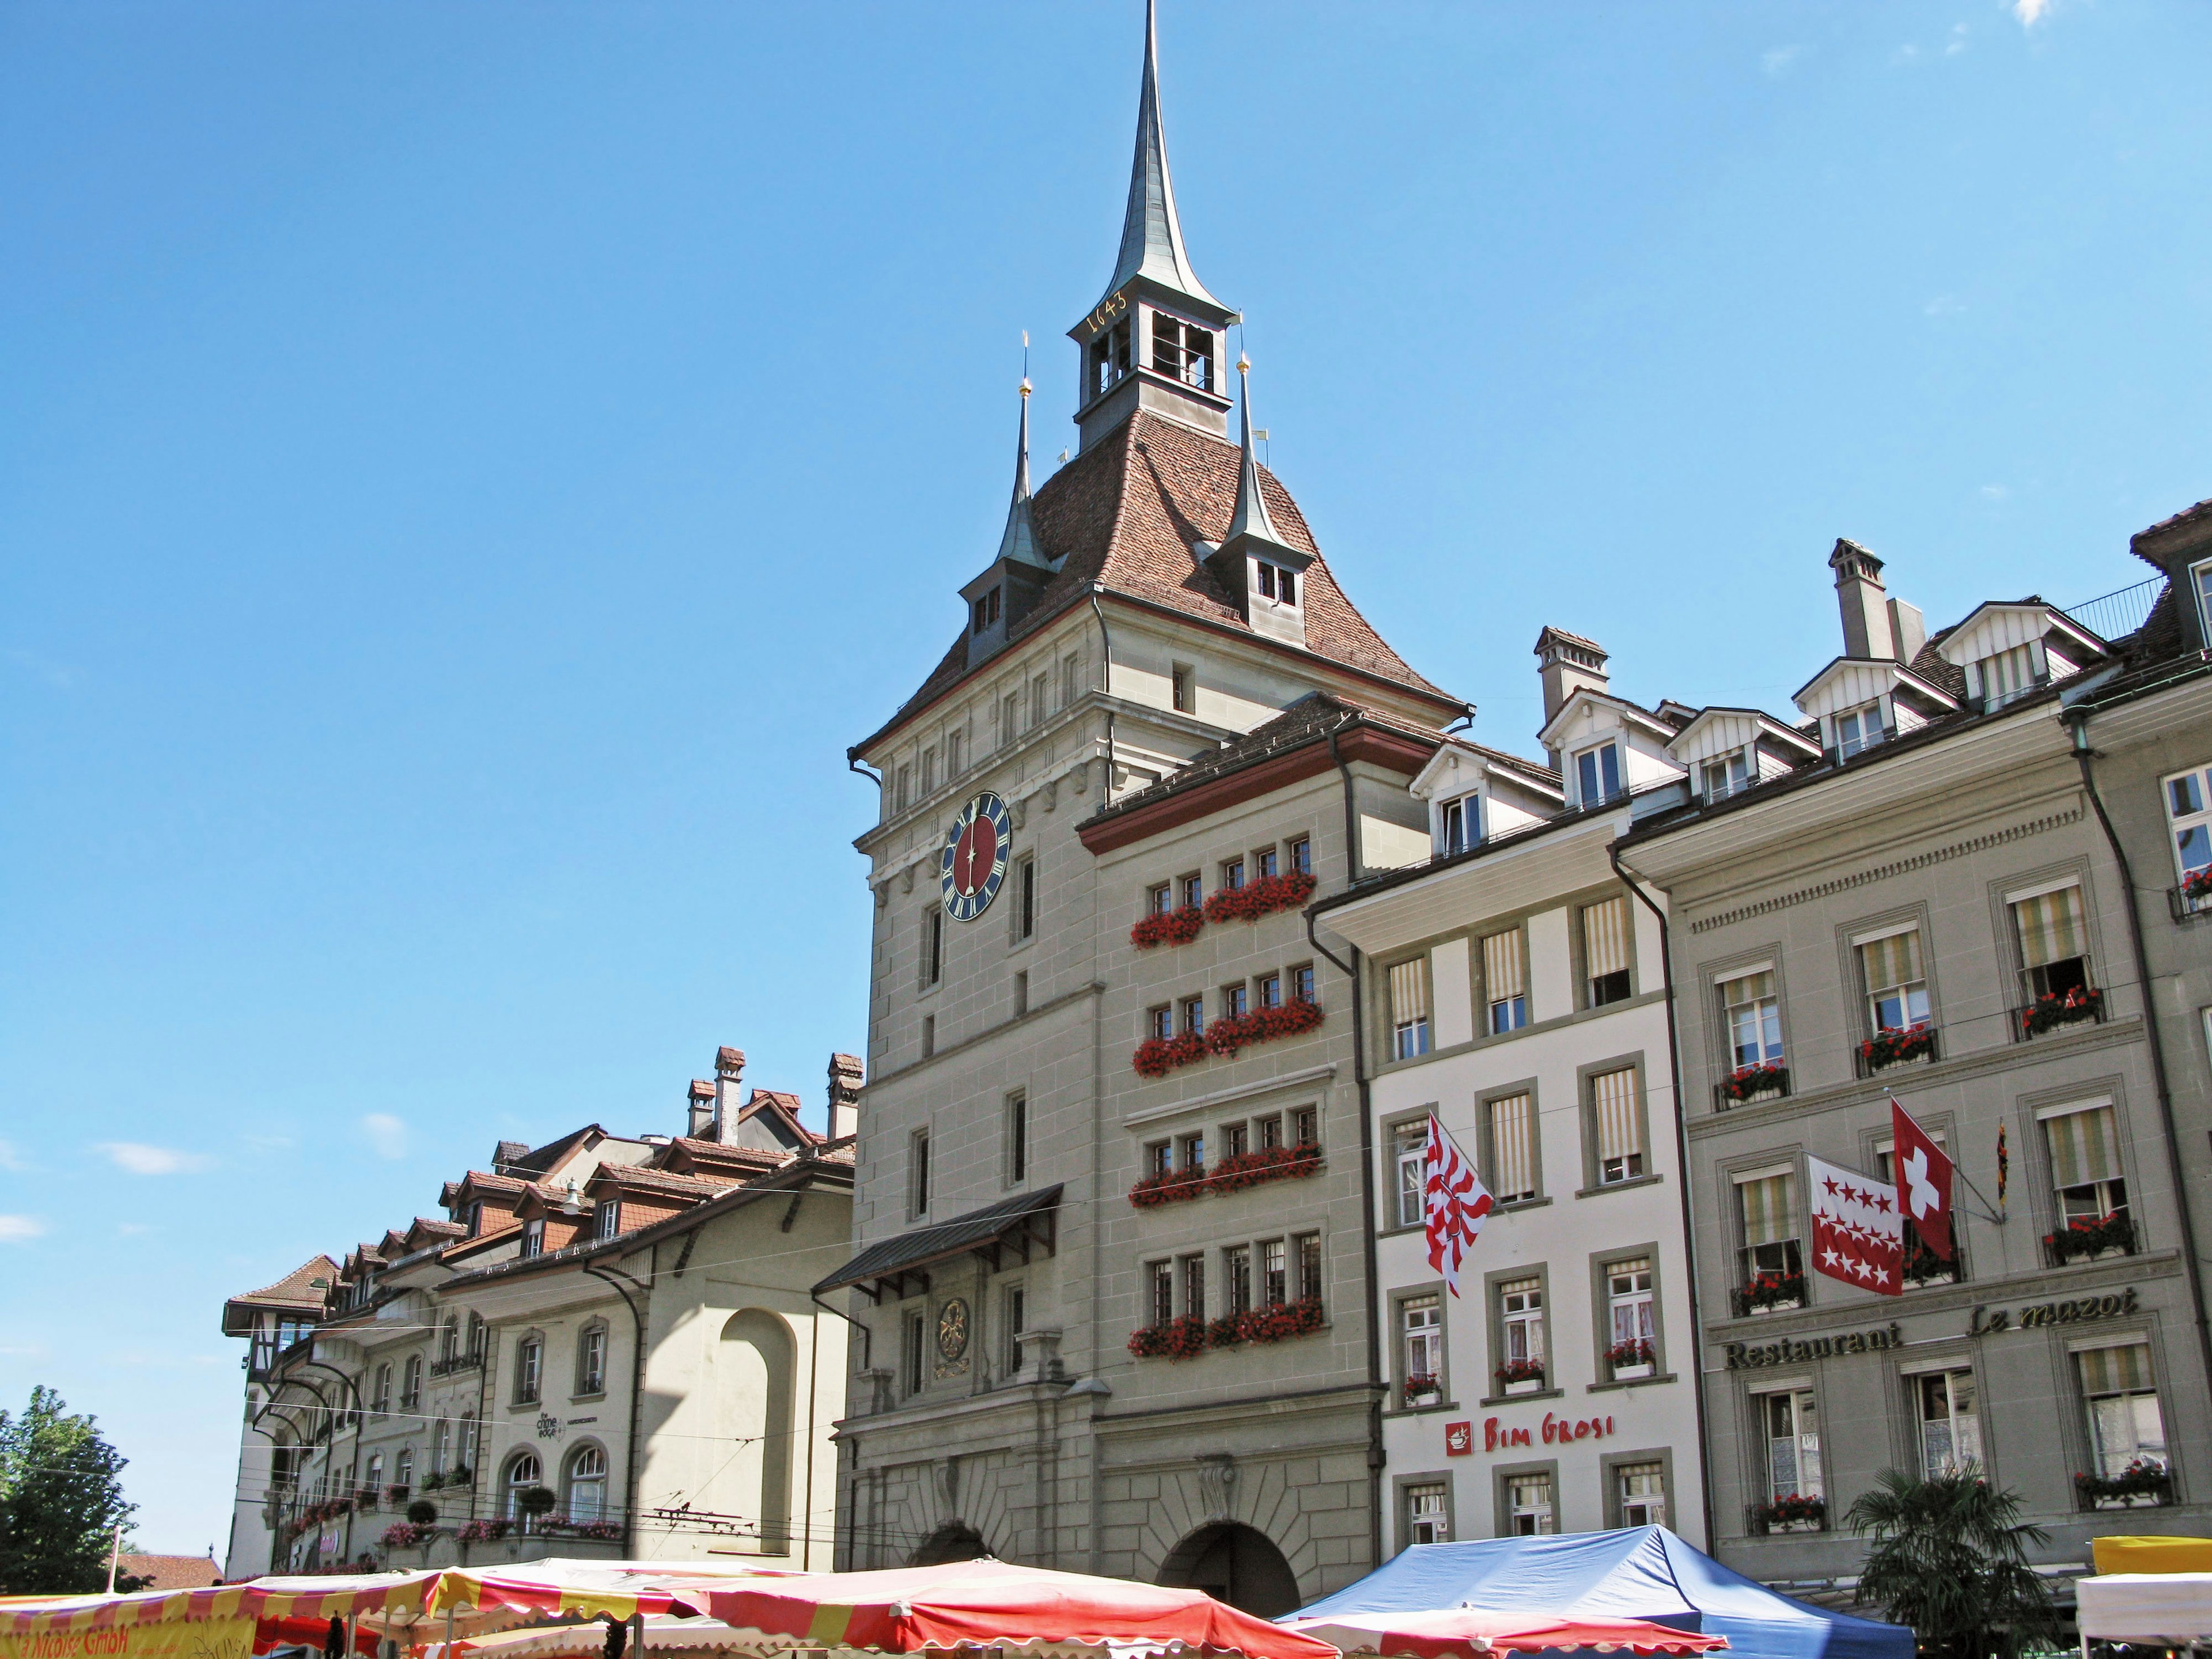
(1255, 899)
(1177, 927)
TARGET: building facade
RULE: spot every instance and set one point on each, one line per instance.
(1160, 700)
(1931, 910)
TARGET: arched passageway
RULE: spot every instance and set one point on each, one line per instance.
(953, 1541)
(1234, 1563)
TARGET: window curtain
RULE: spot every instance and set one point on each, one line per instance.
(1620, 1135)
(2115, 1370)
(1501, 965)
(1891, 961)
(1605, 937)
(1765, 1203)
(1513, 1163)
(2051, 926)
(2084, 1147)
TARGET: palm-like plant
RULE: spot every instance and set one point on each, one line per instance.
(1949, 1557)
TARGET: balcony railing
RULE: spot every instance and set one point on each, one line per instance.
(1748, 1084)
(1886, 1049)
(2184, 908)
(461, 1362)
(2081, 1004)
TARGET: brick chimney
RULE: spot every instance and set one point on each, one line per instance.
(702, 1120)
(729, 1071)
(1568, 664)
(846, 1076)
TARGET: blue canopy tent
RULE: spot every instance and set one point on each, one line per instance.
(1639, 1572)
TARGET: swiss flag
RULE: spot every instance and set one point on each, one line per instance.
(1923, 1182)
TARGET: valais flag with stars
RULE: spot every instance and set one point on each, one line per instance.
(1858, 1232)
(1455, 1204)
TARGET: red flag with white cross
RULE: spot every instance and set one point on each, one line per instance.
(1923, 1182)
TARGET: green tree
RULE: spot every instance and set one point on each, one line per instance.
(61, 1499)
(1949, 1557)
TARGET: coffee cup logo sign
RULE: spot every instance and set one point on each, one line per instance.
(1557, 1430)
(1459, 1439)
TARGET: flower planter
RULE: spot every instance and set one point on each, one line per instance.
(1521, 1377)
(1631, 1359)
(1886, 1048)
(1192, 1335)
(1771, 1293)
(2143, 1484)
(1635, 1373)
(1750, 1082)
(1157, 1056)
(1530, 1386)
(1420, 1389)
(2113, 1235)
(1259, 898)
(2197, 886)
(1793, 1512)
(1177, 927)
(2047, 1013)
(1232, 1174)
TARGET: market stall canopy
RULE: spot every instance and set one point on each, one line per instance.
(663, 1633)
(1464, 1631)
(1639, 1573)
(2120, 1554)
(589, 1589)
(319, 1597)
(996, 1604)
(2168, 1609)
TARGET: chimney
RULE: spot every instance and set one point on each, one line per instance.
(729, 1069)
(702, 1109)
(1569, 663)
(846, 1076)
(1864, 601)
(1908, 629)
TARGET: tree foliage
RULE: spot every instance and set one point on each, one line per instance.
(1949, 1557)
(61, 1499)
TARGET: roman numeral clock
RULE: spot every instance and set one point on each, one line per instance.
(974, 860)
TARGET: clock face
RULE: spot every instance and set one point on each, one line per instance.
(952, 1330)
(974, 858)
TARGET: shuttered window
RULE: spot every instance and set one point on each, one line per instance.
(1504, 987)
(2126, 1428)
(1513, 1148)
(1764, 1201)
(1409, 1008)
(1619, 1126)
(2084, 1147)
(1605, 951)
(2051, 929)
(1896, 984)
(2114, 1371)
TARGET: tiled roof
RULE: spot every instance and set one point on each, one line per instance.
(297, 1289)
(631, 1177)
(715, 1151)
(2188, 516)
(909, 1252)
(169, 1572)
(1125, 512)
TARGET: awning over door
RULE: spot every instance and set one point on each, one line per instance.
(1014, 1227)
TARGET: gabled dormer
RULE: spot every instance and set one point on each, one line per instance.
(2011, 651)
(1476, 794)
(1603, 747)
(1009, 587)
(1264, 574)
(1860, 702)
(1728, 751)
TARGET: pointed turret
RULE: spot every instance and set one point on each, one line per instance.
(1020, 542)
(1250, 524)
(1261, 570)
(1002, 594)
(1154, 340)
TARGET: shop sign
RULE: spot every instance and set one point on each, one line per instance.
(1557, 1430)
(1791, 1351)
(1985, 1320)
(1459, 1439)
(175, 1638)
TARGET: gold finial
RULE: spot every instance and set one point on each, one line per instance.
(1243, 364)
(1025, 385)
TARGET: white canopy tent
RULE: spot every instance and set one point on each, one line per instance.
(2169, 1609)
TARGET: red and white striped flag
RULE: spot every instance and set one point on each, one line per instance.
(1456, 1202)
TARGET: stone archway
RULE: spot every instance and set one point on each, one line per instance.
(955, 1540)
(1236, 1563)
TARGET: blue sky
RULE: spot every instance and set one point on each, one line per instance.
(467, 473)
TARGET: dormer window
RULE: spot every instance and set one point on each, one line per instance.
(609, 1218)
(1860, 729)
(533, 1238)
(987, 611)
(1460, 825)
(1109, 357)
(1182, 350)
(476, 1219)
(1277, 583)
(2007, 677)
(1597, 775)
(1725, 776)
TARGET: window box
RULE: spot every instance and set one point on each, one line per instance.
(1631, 1359)
(1923, 1268)
(1771, 1293)
(1157, 1056)
(2056, 1008)
(1255, 899)
(1792, 1512)
(2193, 898)
(1169, 1187)
(484, 1532)
(2144, 1484)
(1521, 1377)
(2086, 1239)
(1192, 1335)
(1749, 1082)
(1180, 1338)
(1892, 1047)
(1420, 1390)
(1177, 927)
(1233, 1174)
(405, 1535)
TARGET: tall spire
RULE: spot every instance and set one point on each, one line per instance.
(1251, 524)
(1151, 236)
(1020, 542)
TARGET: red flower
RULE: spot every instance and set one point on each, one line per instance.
(1178, 927)
(1258, 898)
(1157, 1056)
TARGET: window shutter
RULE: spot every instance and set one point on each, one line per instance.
(1765, 1203)
(2123, 1369)
(1619, 1133)
(1501, 965)
(1741, 992)
(1409, 992)
(1605, 937)
(1513, 1165)
(2051, 926)
(1892, 961)
(2084, 1147)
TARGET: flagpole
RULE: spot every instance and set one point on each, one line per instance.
(1989, 1211)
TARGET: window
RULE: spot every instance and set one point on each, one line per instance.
(1277, 583)
(1305, 1125)
(2054, 943)
(380, 1400)
(1460, 825)
(1597, 775)
(1270, 1131)
(1232, 874)
(1628, 1306)
(591, 1360)
(1162, 1276)
(1923, 1267)
(1725, 776)
(1793, 1444)
(1300, 854)
(1025, 898)
(1071, 681)
(1521, 1324)
(1159, 1157)
(476, 1219)
(1018, 1138)
(2125, 1427)
(1109, 357)
(932, 945)
(479, 1333)
(587, 1484)
(905, 790)
(1409, 1009)
(1503, 986)
(928, 1036)
(1268, 863)
(1512, 1131)
(1773, 1270)
(1040, 692)
(373, 1481)
(1010, 718)
(1159, 1023)
(1194, 892)
(1236, 1140)
(917, 1173)
(1896, 986)
(2189, 816)
(1013, 1303)
(1234, 1001)
(1159, 900)
(1236, 1278)
(1428, 1505)
(1193, 1015)
(2085, 1172)
(1183, 683)
(1302, 983)
(1274, 1273)
(1950, 1425)
(468, 1440)
(534, 1244)
(1270, 989)
(1307, 1247)
(1619, 1124)
(1859, 730)
(411, 1383)
(608, 1217)
(1421, 1349)
(987, 611)
(2007, 677)
(956, 744)
(929, 771)
(1753, 1017)
(1191, 1149)
(1411, 1140)
(1639, 1493)
(529, 1369)
(1529, 1504)
(1183, 350)
(1194, 1285)
(441, 1439)
(523, 1472)
(910, 1345)
(403, 1468)
(1605, 951)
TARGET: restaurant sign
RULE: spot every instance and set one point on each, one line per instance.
(1795, 1350)
(2051, 1313)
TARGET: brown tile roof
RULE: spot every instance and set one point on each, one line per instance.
(297, 1289)
(168, 1572)
(2188, 517)
(631, 1177)
(682, 1151)
(1125, 513)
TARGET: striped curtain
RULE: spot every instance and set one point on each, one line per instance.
(2115, 1370)
(1743, 993)
(1766, 1204)
(1619, 1131)
(2051, 928)
(1891, 961)
(2084, 1147)
(1605, 937)
(1512, 1147)
(1501, 966)
(1409, 992)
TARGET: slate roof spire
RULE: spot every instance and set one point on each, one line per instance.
(1251, 527)
(1020, 542)
(1151, 235)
